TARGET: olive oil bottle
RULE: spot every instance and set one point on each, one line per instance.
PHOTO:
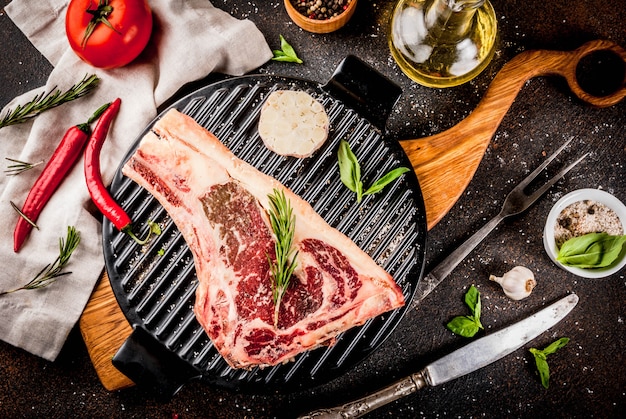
(442, 43)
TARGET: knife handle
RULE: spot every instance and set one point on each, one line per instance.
(360, 407)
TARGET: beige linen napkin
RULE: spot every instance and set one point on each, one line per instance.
(191, 39)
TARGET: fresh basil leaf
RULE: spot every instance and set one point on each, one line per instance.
(555, 346)
(287, 53)
(283, 58)
(463, 325)
(477, 312)
(349, 169)
(472, 299)
(612, 250)
(593, 250)
(542, 366)
(385, 180)
(578, 245)
(588, 258)
(541, 360)
(287, 49)
(468, 326)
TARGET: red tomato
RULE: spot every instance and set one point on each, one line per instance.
(108, 46)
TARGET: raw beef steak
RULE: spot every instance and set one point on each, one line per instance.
(220, 204)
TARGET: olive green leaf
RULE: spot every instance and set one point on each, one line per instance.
(286, 53)
(593, 250)
(541, 360)
(468, 326)
(350, 173)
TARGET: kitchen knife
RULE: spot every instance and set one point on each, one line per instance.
(467, 359)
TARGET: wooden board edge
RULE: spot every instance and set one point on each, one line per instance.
(104, 329)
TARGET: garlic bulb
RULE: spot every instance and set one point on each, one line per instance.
(517, 283)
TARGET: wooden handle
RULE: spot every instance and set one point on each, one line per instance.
(446, 162)
(104, 330)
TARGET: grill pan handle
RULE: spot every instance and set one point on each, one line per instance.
(152, 366)
(364, 89)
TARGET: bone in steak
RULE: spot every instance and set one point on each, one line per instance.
(220, 203)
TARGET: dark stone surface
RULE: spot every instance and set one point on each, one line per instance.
(588, 376)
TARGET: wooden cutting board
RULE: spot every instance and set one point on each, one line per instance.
(444, 163)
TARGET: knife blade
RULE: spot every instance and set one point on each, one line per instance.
(465, 360)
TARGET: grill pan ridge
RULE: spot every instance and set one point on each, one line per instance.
(155, 284)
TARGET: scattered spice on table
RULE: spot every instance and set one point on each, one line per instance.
(320, 9)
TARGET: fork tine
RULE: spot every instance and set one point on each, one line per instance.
(524, 183)
(532, 198)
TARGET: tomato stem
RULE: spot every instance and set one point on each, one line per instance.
(99, 15)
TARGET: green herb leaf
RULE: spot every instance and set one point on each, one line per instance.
(593, 250)
(465, 326)
(283, 223)
(350, 173)
(45, 101)
(472, 299)
(468, 326)
(51, 272)
(542, 366)
(385, 180)
(541, 360)
(349, 169)
(286, 53)
(555, 346)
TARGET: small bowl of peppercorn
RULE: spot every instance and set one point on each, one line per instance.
(320, 16)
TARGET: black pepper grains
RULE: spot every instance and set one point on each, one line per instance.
(320, 9)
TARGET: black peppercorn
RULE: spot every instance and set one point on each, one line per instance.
(320, 9)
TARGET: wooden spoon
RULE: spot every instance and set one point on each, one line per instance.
(446, 162)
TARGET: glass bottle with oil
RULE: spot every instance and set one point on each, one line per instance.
(442, 43)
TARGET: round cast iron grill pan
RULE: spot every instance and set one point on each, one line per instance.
(155, 284)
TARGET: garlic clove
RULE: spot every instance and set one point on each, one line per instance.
(517, 283)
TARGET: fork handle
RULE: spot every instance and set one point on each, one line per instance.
(443, 269)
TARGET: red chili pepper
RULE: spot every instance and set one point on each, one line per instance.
(60, 163)
(99, 193)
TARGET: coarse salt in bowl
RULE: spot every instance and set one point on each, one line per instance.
(549, 241)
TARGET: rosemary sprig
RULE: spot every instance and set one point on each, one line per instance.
(54, 270)
(45, 101)
(283, 224)
(24, 216)
(19, 166)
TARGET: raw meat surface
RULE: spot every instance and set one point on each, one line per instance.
(219, 203)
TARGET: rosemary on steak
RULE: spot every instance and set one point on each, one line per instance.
(54, 270)
(45, 101)
(283, 223)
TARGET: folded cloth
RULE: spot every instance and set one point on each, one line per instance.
(191, 38)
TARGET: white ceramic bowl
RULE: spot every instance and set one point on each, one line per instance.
(580, 195)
